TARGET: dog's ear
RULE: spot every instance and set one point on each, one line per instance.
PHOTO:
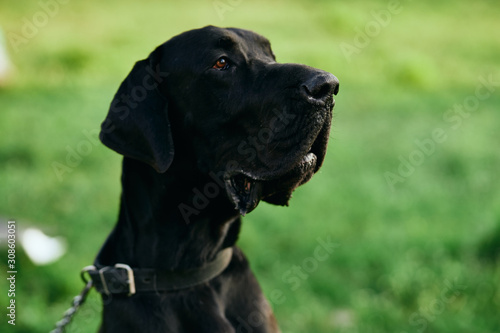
(137, 124)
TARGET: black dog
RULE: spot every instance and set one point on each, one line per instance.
(209, 125)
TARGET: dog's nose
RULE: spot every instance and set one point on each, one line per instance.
(320, 87)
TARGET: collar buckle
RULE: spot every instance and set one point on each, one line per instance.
(130, 276)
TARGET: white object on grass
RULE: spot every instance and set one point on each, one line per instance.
(5, 65)
(42, 249)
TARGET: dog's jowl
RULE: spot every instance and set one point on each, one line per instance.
(209, 125)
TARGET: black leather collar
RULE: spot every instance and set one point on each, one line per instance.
(122, 279)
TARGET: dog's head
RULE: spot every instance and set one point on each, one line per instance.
(220, 98)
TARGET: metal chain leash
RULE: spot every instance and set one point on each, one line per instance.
(77, 302)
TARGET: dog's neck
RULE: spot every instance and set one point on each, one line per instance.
(166, 222)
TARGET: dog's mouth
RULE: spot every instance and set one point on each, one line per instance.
(246, 188)
(280, 175)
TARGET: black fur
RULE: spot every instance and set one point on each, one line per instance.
(203, 142)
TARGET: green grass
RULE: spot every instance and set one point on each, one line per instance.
(419, 256)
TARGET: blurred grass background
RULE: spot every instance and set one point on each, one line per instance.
(420, 254)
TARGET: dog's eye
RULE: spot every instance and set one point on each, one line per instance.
(222, 63)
